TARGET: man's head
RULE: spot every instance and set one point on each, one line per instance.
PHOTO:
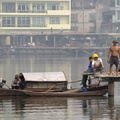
(90, 58)
(17, 76)
(115, 41)
(20, 74)
(95, 56)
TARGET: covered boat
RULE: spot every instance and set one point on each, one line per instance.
(51, 84)
(45, 81)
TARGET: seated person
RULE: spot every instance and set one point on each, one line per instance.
(2, 82)
(16, 83)
(89, 70)
(97, 63)
(22, 81)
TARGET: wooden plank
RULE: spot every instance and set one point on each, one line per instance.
(88, 73)
(106, 77)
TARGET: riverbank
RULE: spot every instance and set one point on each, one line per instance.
(67, 51)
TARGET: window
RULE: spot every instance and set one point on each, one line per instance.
(118, 14)
(91, 29)
(74, 28)
(74, 4)
(91, 16)
(112, 3)
(54, 20)
(118, 2)
(23, 21)
(23, 7)
(8, 7)
(38, 22)
(74, 17)
(8, 21)
(53, 6)
(38, 7)
(81, 4)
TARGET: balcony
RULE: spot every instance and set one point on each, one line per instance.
(59, 12)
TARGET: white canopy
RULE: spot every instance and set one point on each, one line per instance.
(45, 76)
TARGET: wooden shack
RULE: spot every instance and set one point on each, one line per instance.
(45, 81)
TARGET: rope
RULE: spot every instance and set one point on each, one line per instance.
(75, 81)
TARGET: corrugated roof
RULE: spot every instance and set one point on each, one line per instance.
(45, 76)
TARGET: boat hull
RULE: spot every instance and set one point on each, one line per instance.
(97, 91)
(62, 94)
(11, 92)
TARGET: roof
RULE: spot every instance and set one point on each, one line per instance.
(45, 76)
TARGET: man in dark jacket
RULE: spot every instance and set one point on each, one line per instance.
(22, 81)
(89, 70)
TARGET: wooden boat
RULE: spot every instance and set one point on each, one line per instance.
(95, 91)
(51, 85)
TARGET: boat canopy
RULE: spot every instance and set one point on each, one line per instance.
(45, 76)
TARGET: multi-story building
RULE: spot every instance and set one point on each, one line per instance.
(23, 21)
(111, 18)
(115, 9)
(87, 15)
(83, 16)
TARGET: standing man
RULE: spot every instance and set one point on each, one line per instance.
(113, 56)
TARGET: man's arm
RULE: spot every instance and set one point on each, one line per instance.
(93, 64)
(101, 61)
(109, 53)
(119, 52)
(102, 65)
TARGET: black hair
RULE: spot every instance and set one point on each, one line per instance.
(90, 57)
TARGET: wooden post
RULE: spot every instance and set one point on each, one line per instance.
(111, 107)
(111, 101)
(111, 87)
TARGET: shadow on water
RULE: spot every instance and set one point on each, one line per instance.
(84, 108)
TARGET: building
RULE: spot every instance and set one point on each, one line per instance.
(23, 22)
(83, 16)
(87, 15)
(115, 19)
(111, 18)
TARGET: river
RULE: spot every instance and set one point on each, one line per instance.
(79, 108)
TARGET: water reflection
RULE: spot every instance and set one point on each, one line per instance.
(85, 108)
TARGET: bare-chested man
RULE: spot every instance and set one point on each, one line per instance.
(113, 56)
